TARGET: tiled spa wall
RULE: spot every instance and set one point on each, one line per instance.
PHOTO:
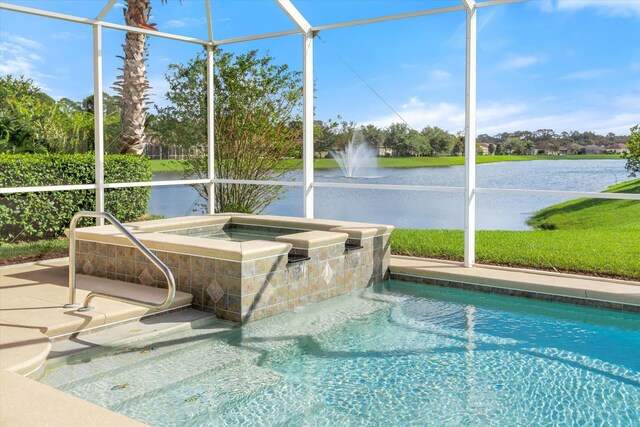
(250, 290)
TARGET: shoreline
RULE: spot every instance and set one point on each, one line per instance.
(407, 162)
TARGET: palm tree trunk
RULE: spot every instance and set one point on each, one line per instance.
(132, 85)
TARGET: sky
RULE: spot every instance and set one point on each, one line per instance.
(544, 64)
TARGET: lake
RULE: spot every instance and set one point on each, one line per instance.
(427, 210)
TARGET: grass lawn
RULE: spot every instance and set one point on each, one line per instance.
(401, 162)
(589, 236)
(418, 162)
(426, 162)
(611, 253)
(587, 214)
(166, 166)
(15, 253)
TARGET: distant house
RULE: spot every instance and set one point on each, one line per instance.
(569, 149)
(547, 149)
(384, 151)
(483, 148)
(157, 151)
(616, 149)
(593, 149)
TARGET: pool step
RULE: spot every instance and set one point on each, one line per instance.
(139, 382)
(139, 347)
(187, 377)
(201, 393)
(132, 330)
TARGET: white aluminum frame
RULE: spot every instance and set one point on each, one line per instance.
(470, 137)
(98, 116)
(307, 31)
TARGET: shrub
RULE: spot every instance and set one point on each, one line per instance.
(32, 216)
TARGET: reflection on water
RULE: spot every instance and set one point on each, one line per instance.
(408, 209)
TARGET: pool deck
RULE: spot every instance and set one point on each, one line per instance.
(31, 315)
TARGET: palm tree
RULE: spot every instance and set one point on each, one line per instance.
(132, 85)
(529, 146)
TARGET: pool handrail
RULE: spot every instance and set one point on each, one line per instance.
(171, 283)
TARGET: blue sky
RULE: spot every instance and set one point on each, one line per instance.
(559, 64)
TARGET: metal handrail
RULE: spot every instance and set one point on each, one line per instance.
(171, 288)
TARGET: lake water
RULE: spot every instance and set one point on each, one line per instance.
(428, 210)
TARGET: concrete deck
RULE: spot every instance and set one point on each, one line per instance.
(519, 282)
(31, 312)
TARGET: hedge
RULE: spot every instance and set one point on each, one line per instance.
(43, 215)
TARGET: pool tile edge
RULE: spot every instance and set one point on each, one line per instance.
(579, 290)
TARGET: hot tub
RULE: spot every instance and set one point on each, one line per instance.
(243, 267)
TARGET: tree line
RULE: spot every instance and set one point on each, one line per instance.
(32, 121)
(400, 140)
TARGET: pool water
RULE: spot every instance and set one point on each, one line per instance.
(399, 354)
(239, 233)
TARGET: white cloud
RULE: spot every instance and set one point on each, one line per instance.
(587, 74)
(175, 23)
(496, 117)
(586, 120)
(449, 116)
(18, 58)
(628, 102)
(494, 111)
(544, 5)
(20, 41)
(437, 79)
(184, 22)
(419, 114)
(440, 74)
(24, 42)
(515, 62)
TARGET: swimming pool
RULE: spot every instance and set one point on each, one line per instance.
(399, 354)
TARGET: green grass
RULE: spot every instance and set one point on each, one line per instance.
(13, 253)
(167, 166)
(400, 162)
(422, 162)
(588, 214)
(610, 253)
(418, 162)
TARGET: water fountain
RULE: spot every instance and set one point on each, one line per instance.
(356, 156)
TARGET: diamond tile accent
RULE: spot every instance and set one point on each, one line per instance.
(215, 291)
(145, 277)
(267, 293)
(87, 268)
(327, 274)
